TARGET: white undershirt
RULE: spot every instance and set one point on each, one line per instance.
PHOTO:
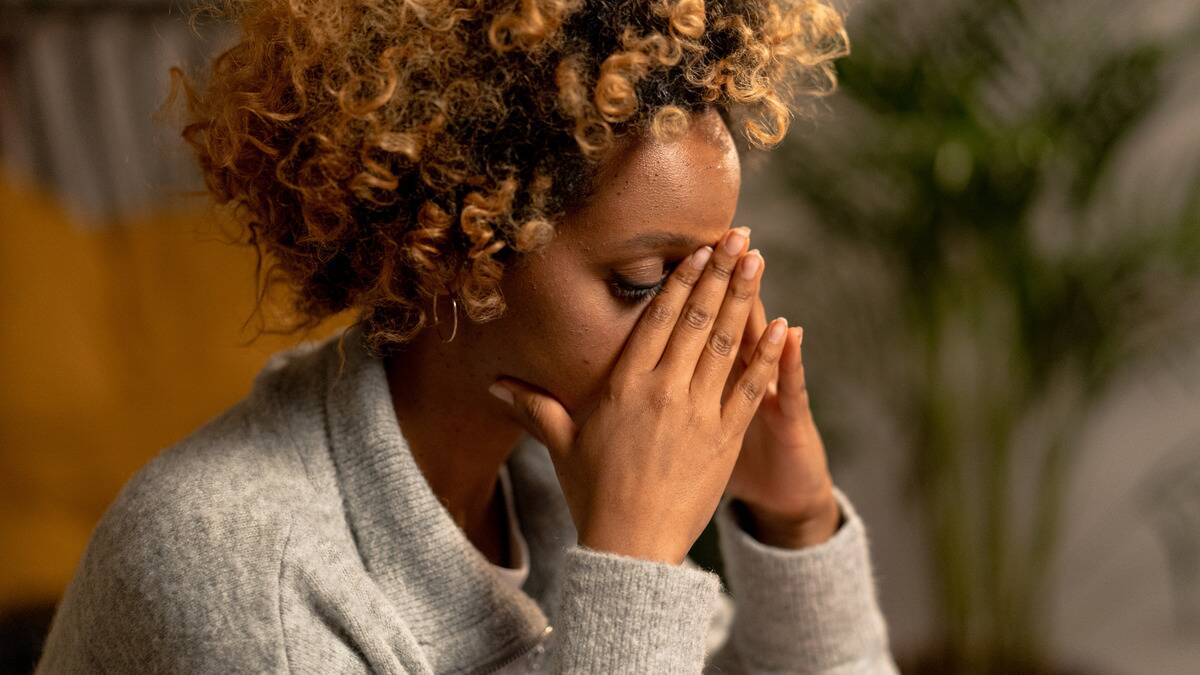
(519, 550)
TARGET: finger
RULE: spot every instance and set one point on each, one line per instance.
(645, 344)
(755, 325)
(736, 372)
(540, 414)
(750, 388)
(750, 338)
(720, 351)
(695, 322)
(734, 375)
(793, 392)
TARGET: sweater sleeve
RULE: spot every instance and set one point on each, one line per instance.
(809, 610)
(620, 614)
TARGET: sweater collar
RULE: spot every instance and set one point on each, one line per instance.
(456, 606)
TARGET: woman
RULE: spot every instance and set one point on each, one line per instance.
(560, 369)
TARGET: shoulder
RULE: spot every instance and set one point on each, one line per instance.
(192, 548)
(234, 483)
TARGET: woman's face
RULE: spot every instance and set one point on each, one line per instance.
(573, 304)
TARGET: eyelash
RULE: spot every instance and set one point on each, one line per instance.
(637, 294)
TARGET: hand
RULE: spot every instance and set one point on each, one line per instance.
(645, 472)
(782, 477)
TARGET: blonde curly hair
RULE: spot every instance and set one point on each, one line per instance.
(380, 152)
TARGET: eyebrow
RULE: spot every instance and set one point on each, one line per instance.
(662, 238)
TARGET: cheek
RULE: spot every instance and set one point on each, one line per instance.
(572, 333)
(583, 353)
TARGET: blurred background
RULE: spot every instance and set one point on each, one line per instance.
(991, 235)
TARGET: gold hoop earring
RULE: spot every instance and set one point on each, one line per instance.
(436, 322)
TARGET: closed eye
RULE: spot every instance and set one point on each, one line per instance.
(638, 293)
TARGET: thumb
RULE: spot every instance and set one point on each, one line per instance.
(541, 414)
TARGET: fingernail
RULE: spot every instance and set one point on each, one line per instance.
(775, 334)
(501, 392)
(750, 264)
(735, 240)
(701, 256)
(799, 335)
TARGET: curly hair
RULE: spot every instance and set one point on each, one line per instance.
(380, 152)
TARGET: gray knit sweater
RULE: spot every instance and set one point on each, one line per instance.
(295, 532)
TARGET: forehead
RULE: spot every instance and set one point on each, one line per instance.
(662, 194)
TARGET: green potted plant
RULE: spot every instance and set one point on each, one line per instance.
(980, 257)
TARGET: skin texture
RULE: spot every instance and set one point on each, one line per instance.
(565, 329)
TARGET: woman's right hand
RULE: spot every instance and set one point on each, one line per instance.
(645, 472)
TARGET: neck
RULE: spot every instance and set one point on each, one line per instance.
(457, 435)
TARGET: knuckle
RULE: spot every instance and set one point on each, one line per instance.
(614, 390)
(687, 278)
(658, 315)
(742, 292)
(660, 399)
(721, 342)
(749, 390)
(535, 410)
(722, 269)
(769, 356)
(697, 317)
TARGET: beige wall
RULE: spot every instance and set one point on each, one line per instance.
(114, 342)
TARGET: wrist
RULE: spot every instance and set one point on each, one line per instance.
(816, 526)
(623, 545)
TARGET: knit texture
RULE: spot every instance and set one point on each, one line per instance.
(295, 533)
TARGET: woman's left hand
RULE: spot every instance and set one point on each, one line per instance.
(782, 477)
